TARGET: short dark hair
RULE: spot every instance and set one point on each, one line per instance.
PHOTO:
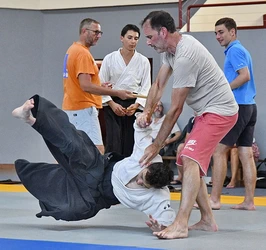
(159, 19)
(228, 22)
(159, 175)
(86, 21)
(130, 27)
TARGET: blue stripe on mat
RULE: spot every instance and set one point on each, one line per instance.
(14, 244)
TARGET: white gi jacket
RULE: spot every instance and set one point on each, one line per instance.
(156, 127)
(155, 202)
(134, 77)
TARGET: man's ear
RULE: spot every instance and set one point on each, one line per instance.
(232, 32)
(164, 32)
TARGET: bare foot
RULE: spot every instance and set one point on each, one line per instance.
(24, 112)
(214, 205)
(231, 184)
(174, 231)
(245, 206)
(205, 226)
(196, 205)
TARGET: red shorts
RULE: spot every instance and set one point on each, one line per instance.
(207, 132)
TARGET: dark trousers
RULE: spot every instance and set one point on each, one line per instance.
(79, 185)
(119, 129)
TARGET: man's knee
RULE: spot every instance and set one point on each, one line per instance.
(245, 153)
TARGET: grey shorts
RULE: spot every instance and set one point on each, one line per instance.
(87, 120)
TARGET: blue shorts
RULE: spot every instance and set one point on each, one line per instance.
(87, 120)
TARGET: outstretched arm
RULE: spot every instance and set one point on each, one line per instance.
(87, 86)
(179, 96)
(155, 94)
(145, 84)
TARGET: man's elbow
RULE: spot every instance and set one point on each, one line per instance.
(245, 76)
(86, 87)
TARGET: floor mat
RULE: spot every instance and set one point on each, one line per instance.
(14, 244)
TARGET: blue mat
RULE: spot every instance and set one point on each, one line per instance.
(14, 244)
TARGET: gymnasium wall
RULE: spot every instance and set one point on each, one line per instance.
(21, 75)
(32, 48)
(70, 4)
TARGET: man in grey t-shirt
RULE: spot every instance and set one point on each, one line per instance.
(200, 83)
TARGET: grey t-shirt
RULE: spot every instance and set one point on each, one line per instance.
(194, 67)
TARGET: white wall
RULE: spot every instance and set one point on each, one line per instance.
(19, 4)
(247, 15)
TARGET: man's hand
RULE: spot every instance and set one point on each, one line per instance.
(117, 109)
(125, 94)
(154, 225)
(149, 153)
(132, 109)
(107, 85)
(167, 141)
(144, 119)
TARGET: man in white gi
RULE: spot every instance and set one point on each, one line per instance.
(151, 201)
(125, 69)
(84, 181)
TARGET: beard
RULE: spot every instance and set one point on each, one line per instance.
(158, 114)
